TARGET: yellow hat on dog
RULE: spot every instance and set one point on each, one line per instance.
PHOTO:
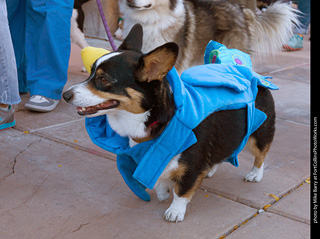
(90, 54)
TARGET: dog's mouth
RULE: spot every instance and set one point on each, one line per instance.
(132, 5)
(90, 110)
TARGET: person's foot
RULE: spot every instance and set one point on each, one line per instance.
(7, 117)
(41, 103)
(295, 43)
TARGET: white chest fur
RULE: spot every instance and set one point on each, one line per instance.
(127, 124)
(131, 125)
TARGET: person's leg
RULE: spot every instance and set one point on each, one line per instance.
(17, 19)
(296, 41)
(304, 8)
(9, 92)
(48, 46)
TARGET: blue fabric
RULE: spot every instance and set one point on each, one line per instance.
(200, 91)
(218, 53)
(40, 31)
(304, 17)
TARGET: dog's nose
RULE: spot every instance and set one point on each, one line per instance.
(67, 96)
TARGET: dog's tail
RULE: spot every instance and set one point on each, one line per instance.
(272, 28)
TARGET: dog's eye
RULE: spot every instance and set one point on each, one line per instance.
(104, 81)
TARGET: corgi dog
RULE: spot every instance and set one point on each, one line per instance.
(193, 23)
(132, 90)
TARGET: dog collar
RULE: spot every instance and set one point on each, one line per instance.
(153, 124)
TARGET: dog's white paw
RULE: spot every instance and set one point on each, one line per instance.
(162, 189)
(177, 209)
(163, 195)
(212, 171)
(174, 214)
(255, 175)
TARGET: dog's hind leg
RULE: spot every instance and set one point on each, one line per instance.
(260, 141)
(213, 171)
(256, 172)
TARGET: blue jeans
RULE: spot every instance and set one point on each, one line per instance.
(40, 32)
(9, 93)
(304, 17)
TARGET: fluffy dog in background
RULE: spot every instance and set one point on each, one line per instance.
(193, 23)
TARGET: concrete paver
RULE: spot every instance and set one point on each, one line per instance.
(55, 183)
(295, 205)
(74, 133)
(29, 121)
(270, 226)
(283, 62)
(144, 220)
(293, 101)
(68, 193)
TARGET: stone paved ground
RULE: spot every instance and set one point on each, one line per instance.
(54, 183)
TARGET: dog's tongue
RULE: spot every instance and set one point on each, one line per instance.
(93, 109)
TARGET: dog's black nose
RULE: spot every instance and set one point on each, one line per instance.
(67, 96)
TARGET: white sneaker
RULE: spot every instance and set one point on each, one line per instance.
(41, 103)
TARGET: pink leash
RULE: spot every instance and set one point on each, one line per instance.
(106, 27)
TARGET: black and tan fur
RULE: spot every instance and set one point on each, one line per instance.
(129, 78)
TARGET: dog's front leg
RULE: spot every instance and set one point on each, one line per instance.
(162, 189)
(177, 209)
(165, 183)
(187, 182)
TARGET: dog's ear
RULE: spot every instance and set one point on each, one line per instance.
(133, 41)
(156, 64)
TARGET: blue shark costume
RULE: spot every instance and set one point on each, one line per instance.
(200, 91)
